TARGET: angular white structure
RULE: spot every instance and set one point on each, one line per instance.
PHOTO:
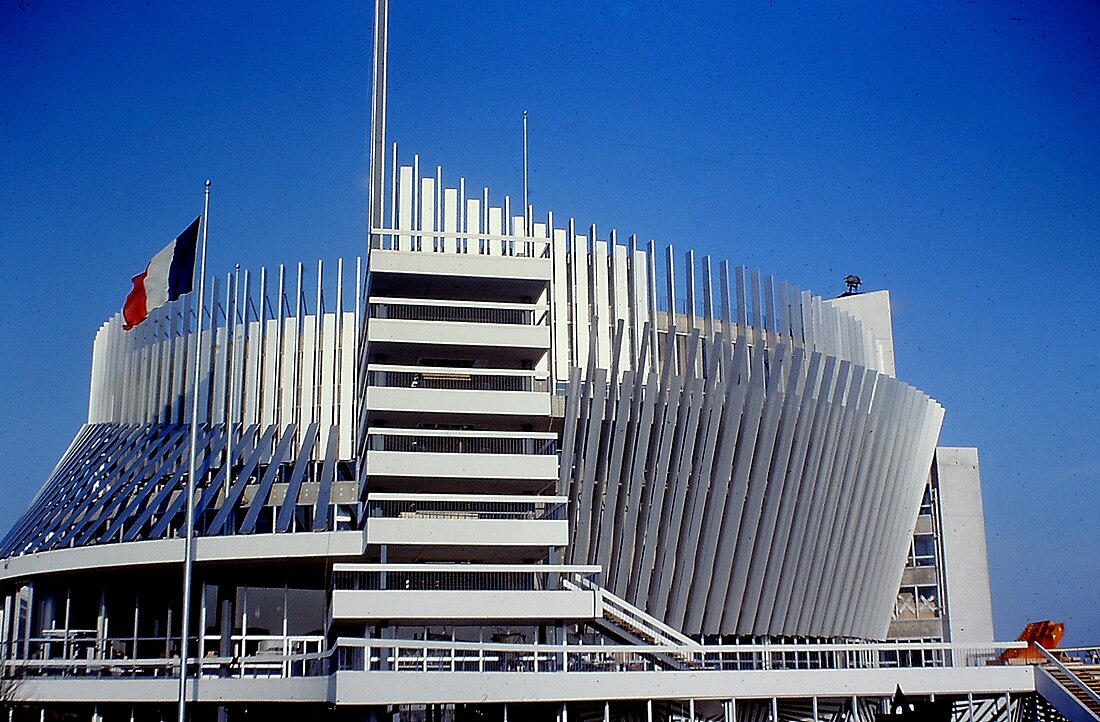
(475, 455)
(500, 466)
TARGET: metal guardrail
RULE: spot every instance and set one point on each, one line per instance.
(455, 379)
(455, 577)
(1082, 655)
(459, 242)
(622, 612)
(364, 655)
(465, 506)
(426, 309)
(284, 660)
(461, 442)
(265, 656)
(1088, 653)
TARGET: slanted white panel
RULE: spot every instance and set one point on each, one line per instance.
(348, 334)
(405, 205)
(269, 406)
(252, 374)
(642, 302)
(514, 248)
(179, 383)
(581, 309)
(450, 218)
(220, 366)
(290, 379)
(602, 314)
(473, 223)
(622, 307)
(427, 213)
(496, 228)
(328, 368)
(306, 382)
(561, 306)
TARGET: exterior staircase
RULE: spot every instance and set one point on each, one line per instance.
(1077, 673)
(623, 621)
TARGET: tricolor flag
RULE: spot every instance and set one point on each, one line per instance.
(168, 276)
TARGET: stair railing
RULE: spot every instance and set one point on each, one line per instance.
(1069, 673)
(623, 610)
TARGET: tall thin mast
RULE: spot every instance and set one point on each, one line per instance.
(526, 202)
(189, 525)
(376, 205)
(378, 117)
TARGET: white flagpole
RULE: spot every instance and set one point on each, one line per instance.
(526, 206)
(189, 526)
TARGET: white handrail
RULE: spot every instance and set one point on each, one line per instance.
(1073, 677)
(448, 433)
(451, 303)
(465, 568)
(526, 373)
(625, 609)
(478, 498)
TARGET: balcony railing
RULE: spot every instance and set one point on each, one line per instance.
(460, 242)
(365, 655)
(76, 653)
(455, 577)
(456, 379)
(292, 657)
(437, 441)
(466, 506)
(424, 309)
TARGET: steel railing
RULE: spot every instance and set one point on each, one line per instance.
(253, 656)
(364, 655)
(290, 657)
(456, 379)
(460, 242)
(626, 615)
(427, 441)
(1075, 656)
(423, 309)
(465, 506)
(455, 577)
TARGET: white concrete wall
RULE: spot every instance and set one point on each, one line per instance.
(450, 605)
(873, 309)
(965, 564)
(469, 532)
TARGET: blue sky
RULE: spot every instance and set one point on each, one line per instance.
(947, 151)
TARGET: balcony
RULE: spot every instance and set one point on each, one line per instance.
(455, 454)
(509, 592)
(457, 390)
(433, 322)
(467, 520)
(464, 253)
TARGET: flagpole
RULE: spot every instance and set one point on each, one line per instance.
(189, 526)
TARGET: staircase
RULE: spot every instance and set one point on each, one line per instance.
(623, 621)
(1077, 672)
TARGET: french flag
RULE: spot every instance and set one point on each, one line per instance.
(168, 276)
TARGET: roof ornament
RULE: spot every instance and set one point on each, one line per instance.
(853, 282)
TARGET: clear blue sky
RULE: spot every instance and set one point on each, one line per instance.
(948, 151)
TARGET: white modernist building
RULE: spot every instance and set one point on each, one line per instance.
(505, 467)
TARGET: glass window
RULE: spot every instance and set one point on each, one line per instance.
(926, 501)
(924, 551)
